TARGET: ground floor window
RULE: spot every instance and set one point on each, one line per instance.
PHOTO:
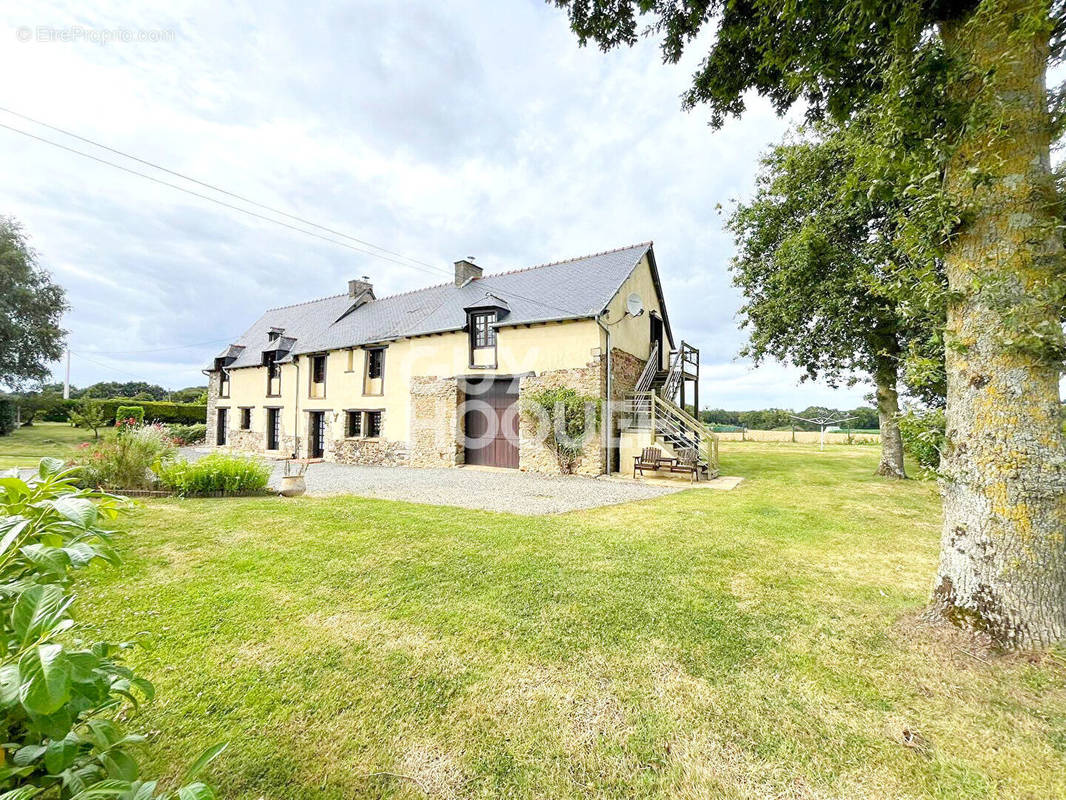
(273, 428)
(246, 419)
(353, 424)
(373, 424)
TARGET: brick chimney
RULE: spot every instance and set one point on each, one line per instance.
(360, 287)
(466, 270)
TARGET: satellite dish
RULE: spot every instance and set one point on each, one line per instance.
(634, 305)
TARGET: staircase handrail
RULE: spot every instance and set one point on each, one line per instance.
(673, 377)
(667, 417)
(650, 368)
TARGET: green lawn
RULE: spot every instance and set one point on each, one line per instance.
(26, 446)
(763, 642)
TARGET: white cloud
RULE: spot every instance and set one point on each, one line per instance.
(436, 131)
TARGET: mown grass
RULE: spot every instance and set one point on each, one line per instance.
(763, 642)
(26, 446)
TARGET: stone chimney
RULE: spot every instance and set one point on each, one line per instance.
(466, 270)
(358, 288)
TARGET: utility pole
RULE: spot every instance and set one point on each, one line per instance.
(66, 381)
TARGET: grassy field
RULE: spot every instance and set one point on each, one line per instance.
(26, 446)
(759, 643)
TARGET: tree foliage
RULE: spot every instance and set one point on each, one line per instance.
(90, 414)
(136, 390)
(31, 308)
(816, 269)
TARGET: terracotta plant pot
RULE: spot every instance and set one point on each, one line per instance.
(293, 486)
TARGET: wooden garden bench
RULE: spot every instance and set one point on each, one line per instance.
(688, 461)
(651, 458)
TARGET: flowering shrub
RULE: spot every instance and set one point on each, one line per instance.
(214, 474)
(129, 415)
(126, 461)
(62, 700)
(184, 435)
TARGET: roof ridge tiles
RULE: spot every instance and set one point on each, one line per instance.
(489, 275)
(648, 243)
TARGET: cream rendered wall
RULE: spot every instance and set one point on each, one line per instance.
(633, 334)
(522, 349)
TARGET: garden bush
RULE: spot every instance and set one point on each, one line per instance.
(64, 699)
(183, 435)
(126, 461)
(923, 437)
(214, 474)
(127, 413)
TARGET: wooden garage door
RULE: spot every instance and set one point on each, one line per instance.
(491, 423)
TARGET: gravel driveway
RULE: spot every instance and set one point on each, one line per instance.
(515, 492)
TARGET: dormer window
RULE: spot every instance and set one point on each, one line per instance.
(318, 377)
(374, 372)
(482, 318)
(481, 328)
(270, 359)
(482, 339)
(223, 383)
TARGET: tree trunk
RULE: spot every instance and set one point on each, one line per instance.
(891, 465)
(1003, 552)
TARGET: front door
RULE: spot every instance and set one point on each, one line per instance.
(221, 425)
(491, 422)
(316, 435)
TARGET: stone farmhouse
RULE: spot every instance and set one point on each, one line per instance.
(435, 377)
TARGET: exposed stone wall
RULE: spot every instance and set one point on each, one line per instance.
(370, 452)
(252, 440)
(625, 372)
(436, 424)
(534, 456)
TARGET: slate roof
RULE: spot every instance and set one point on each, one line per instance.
(575, 289)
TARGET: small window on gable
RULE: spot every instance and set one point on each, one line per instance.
(373, 424)
(481, 331)
(354, 424)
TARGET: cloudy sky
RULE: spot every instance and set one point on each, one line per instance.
(434, 130)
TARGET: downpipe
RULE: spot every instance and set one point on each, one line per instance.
(608, 405)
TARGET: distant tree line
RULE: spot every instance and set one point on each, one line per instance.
(135, 390)
(769, 419)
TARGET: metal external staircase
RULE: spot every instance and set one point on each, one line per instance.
(654, 408)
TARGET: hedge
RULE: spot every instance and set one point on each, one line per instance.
(154, 411)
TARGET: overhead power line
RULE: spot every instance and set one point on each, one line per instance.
(378, 252)
(218, 189)
(209, 198)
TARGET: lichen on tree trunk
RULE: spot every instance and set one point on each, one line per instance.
(1003, 554)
